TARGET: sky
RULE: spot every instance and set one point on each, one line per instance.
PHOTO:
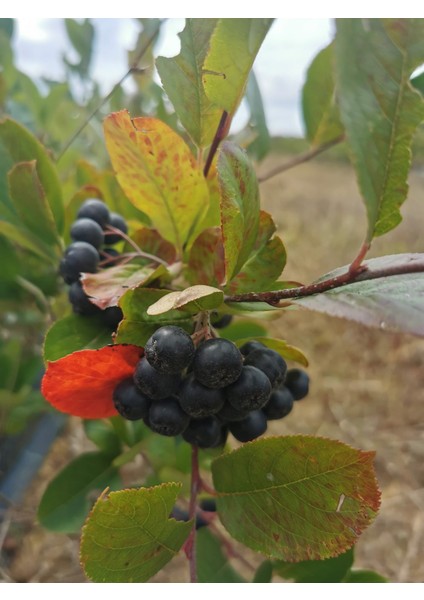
(280, 66)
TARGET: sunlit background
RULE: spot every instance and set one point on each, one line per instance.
(280, 66)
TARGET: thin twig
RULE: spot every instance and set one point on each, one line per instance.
(190, 545)
(302, 158)
(132, 69)
(363, 274)
(221, 132)
(140, 253)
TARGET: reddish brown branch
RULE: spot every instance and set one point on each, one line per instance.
(221, 132)
(350, 276)
(302, 158)
(190, 545)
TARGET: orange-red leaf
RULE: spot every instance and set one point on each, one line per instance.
(82, 383)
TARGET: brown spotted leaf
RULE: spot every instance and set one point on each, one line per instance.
(296, 497)
(206, 262)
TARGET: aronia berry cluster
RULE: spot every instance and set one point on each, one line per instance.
(90, 244)
(205, 392)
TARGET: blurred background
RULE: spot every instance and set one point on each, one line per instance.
(367, 386)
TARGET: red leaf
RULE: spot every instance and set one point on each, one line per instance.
(82, 383)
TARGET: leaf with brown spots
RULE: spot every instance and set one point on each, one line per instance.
(206, 262)
(158, 173)
(128, 536)
(106, 287)
(82, 383)
(153, 243)
(296, 497)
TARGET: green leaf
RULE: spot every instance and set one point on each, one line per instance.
(265, 263)
(379, 109)
(263, 573)
(363, 576)
(239, 206)
(193, 299)
(70, 495)
(182, 80)
(26, 240)
(32, 207)
(232, 51)
(393, 303)
(259, 148)
(129, 536)
(296, 497)
(107, 286)
(158, 173)
(206, 261)
(240, 329)
(102, 433)
(138, 325)
(320, 111)
(20, 146)
(285, 350)
(212, 565)
(82, 37)
(75, 333)
(331, 570)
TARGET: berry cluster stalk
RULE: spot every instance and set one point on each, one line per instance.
(190, 546)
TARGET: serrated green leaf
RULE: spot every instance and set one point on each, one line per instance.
(281, 346)
(296, 497)
(379, 109)
(233, 48)
(74, 333)
(158, 173)
(212, 565)
(331, 570)
(182, 80)
(265, 263)
(393, 303)
(21, 146)
(70, 495)
(32, 207)
(193, 299)
(128, 536)
(239, 206)
(320, 111)
(364, 576)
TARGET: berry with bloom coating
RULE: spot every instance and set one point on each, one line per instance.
(217, 363)
(170, 350)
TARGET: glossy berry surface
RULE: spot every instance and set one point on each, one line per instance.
(199, 401)
(297, 382)
(203, 433)
(169, 350)
(220, 321)
(166, 417)
(81, 304)
(79, 257)
(251, 390)
(87, 230)
(248, 347)
(117, 222)
(154, 384)
(96, 210)
(217, 363)
(254, 425)
(263, 360)
(129, 401)
(279, 405)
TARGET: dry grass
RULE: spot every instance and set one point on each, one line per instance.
(367, 385)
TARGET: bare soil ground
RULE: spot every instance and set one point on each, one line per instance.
(367, 385)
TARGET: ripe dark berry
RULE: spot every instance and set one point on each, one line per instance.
(166, 417)
(279, 405)
(298, 383)
(217, 363)
(169, 350)
(254, 425)
(220, 321)
(79, 257)
(129, 401)
(251, 390)
(228, 413)
(112, 316)
(94, 209)
(199, 401)
(204, 433)
(248, 347)
(87, 230)
(269, 362)
(81, 304)
(119, 223)
(154, 384)
(208, 504)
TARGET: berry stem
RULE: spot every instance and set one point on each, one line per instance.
(138, 251)
(190, 545)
